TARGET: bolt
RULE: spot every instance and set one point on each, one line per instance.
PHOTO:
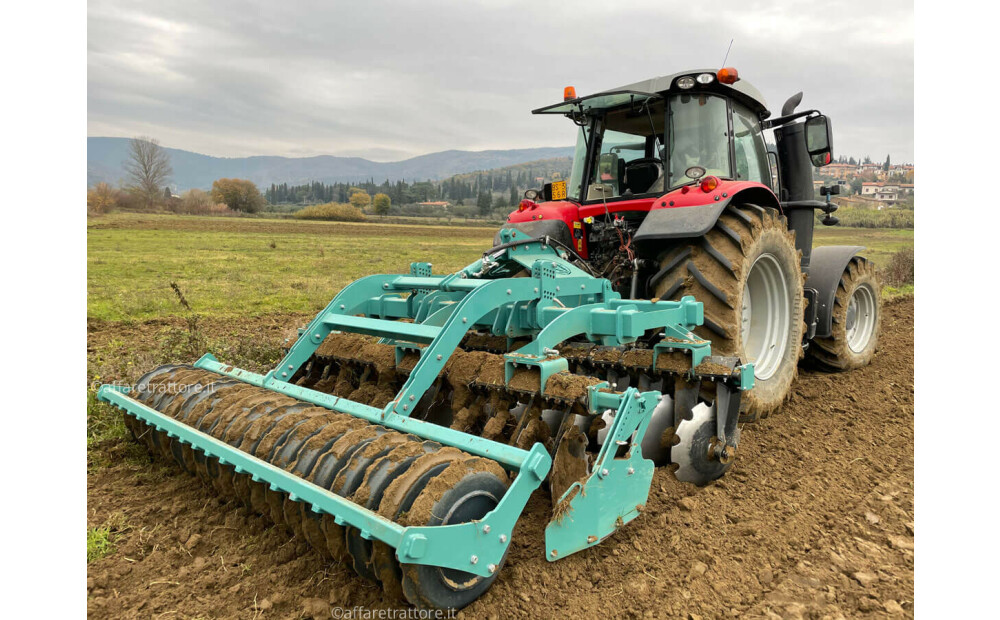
(405, 407)
(554, 553)
(465, 319)
(508, 291)
(583, 287)
(386, 285)
(493, 568)
(474, 559)
(503, 538)
(486, 529)
(284, 374)
(536, 289)
(290, 367)
(631, 470)
(553, 263)
(412, 397)
(557, 288)
(316, 336)
(604, 472)
(342, 306)
(439, 357)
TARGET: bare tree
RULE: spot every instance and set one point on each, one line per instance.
(148, 168)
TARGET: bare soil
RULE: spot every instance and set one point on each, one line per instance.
(815, 519)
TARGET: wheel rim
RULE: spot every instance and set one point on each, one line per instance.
(860, 321)
(765, 316)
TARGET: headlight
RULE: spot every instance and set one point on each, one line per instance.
(706, 78)
(685, 82)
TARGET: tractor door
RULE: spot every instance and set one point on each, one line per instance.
(750, 150)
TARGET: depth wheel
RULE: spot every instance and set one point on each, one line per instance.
(747, 274)
(857, 320)
(465, 491)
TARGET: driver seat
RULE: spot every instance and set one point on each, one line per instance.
(641, 174)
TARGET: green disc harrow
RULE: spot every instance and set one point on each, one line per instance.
(409, 423)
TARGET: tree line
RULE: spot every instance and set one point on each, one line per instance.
(148, 171)
(503, 186)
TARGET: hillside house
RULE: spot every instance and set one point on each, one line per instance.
(837, 171)
(885, 192)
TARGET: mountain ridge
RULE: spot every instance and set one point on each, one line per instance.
(106, 156)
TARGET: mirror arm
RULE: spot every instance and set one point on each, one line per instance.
(784, 120)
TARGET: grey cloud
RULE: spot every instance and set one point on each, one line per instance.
(391, 80)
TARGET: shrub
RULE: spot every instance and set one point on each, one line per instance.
(332, 211)
(361, 199)
(102, 198)
(238, 195)
(899, 271)
(197, 202)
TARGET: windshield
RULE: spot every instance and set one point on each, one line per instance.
(699, 136)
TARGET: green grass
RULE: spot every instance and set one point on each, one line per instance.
(230, 273)
(99, 543)
(231, 267)
(101, 539)
(104, 422)
(881, 243)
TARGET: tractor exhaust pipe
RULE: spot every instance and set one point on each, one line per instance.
(796, 179)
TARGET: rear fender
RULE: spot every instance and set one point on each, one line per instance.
(825, 270)
(681, 216)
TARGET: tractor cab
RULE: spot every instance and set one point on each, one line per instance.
(648, 138)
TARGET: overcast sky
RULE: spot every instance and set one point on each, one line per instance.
(387, 81)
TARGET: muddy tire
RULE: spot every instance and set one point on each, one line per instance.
(747, 273)
(857, 320)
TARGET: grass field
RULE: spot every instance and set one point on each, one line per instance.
(230, 267)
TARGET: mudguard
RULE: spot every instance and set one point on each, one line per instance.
(680, 222)
(680, 214)
(827, 266)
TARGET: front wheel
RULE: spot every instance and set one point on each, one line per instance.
(857, 320)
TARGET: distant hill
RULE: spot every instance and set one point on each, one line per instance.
(105, 157)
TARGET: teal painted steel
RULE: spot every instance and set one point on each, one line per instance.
(451, 546)
(555, 303)
(617, 490)
(510, 456)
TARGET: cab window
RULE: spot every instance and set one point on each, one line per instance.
(698, 132)
(628, 161)
(751, 152)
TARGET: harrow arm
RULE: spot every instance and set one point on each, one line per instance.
(617, 489)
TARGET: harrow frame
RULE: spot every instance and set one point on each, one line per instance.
(557, 302)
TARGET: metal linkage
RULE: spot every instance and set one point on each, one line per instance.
(557, 302)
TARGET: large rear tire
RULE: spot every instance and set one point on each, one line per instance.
(857, 320)
(747, 274)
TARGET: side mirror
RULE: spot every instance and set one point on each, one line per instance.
(819, 140)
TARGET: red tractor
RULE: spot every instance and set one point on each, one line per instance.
(678, 189)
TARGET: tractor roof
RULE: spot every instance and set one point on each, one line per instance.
(654, 87)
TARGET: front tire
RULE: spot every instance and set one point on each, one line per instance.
(857, 320)
(747, 274)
